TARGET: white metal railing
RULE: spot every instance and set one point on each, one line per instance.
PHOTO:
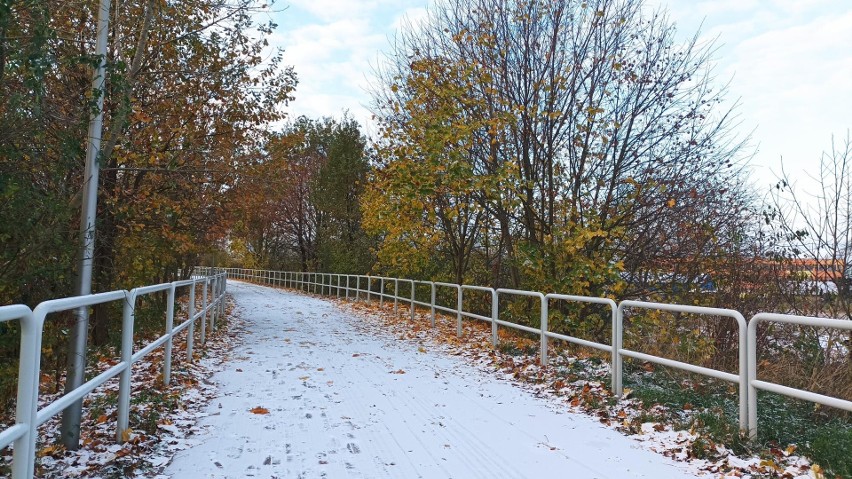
(352, 286)
(27, 414)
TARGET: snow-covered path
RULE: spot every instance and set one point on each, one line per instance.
(344, 404)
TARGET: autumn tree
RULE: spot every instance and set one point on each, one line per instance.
(190, 89)
(422, 202)
(591, 121)
(296, 206)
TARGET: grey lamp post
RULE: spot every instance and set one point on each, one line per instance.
(77, 343)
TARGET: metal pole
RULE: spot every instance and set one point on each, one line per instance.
(495, 308)
(190, 331)
(170, 321)
(458, 310)
(432, 303)
(70, 430)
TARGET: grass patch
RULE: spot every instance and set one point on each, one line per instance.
(514, 349)
(710, 408)
(152, 405)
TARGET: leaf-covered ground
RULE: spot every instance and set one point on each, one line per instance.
(163, 419)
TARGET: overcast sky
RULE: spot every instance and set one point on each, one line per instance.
(789, 63)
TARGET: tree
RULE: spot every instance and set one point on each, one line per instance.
(585, 125)
(297, 204)
(819, 229)
(188, 95)
(427, 183)
(812, 255)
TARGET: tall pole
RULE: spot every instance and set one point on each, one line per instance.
(77, 344)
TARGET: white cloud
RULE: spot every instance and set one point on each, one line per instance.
(794, 86)
(789, 59)
(332, 45)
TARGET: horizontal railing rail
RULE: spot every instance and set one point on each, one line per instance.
(359, 287)
(23, 434)
(754, 384)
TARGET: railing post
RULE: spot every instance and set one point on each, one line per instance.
(128, 313)
(204, 312)
(544, 314)
(617, 373)
(224, 291)
(214, 305)
(347, 287)
(412, 299)
(396, 296)
(26, 408)
(369, 287)
(495, 302)
(338, 286)
(190, 331)
(614, 356)
(170, 322)
(432, 303)
(751, 349)
(458, 310)
(381, 292)
(357, 287)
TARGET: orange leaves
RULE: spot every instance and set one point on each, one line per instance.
(398, 371)
(259, 410)
(52, 450)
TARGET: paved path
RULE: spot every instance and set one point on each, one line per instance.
(345, 404)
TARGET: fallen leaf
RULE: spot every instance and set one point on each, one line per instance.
(259, 410)
(398, 371)
(304, 378)
(49, 451)
(320, 369)
(126, 434)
